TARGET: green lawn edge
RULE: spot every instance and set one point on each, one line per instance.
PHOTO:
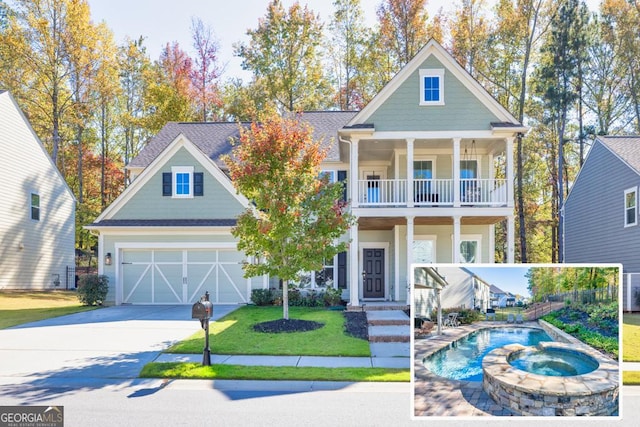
(631, 337)
(178, 370)
(10, 318)
(234, 334)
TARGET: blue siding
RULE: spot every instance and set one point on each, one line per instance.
(594, 213)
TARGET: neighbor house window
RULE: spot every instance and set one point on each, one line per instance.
(35, 206)
(631, 206)
(432, 87)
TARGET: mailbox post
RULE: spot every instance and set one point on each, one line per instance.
(202, 310)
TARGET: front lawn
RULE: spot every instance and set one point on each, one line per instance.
(234, 334)
(19, 307)
(631, 337)
(272, 373)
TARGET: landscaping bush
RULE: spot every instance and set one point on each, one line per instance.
(466, 316)
(92, 289)
(262, 296)
(332, 297)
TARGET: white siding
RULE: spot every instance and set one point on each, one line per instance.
(31, 252)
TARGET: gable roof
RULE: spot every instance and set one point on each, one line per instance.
(4, 94)
(505, 119)
(214, 138)
(180, 141)
(627, 148)
(496, 290)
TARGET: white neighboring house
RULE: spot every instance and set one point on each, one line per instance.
(460, 288)
(37, 212)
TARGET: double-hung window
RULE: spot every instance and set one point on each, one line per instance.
(182, 182)
(35, 206)
(432, 87)
(631, 207)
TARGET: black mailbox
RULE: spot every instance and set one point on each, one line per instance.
(202, 310)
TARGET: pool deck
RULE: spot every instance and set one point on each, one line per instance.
(435, 396)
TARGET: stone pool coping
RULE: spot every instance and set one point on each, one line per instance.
(426, 381)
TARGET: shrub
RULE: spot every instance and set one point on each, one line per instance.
(466, 316)
(92, 289)
(262, 296)
(332, 297)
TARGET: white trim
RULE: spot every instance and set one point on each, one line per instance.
(374, 245)
(432, 72)
(469, 238)
(633, 190)
(175, 171)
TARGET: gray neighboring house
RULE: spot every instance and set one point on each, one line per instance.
(601, 211)
(37, 211)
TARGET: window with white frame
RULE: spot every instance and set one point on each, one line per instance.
(432, 87)
(424, 249)
(470, 249)
(319, 279)
(182, 181)
(631, 207)
(330, 174)
(35, 206)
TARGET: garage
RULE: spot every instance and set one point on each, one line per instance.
(181, 275)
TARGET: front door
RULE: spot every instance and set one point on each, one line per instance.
(373, 273)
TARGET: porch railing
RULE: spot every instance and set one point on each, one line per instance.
(432, 192)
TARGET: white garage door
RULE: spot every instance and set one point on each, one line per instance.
(175, 276)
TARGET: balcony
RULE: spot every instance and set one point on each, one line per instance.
(432, 193)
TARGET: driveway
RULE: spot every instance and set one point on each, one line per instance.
(112, 342)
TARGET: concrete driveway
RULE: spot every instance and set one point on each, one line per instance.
(108, 343)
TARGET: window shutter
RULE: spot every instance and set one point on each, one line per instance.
(342, 177)
(342, 270)
(166, 183)
(198, 184)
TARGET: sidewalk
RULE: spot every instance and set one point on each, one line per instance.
(295, 361)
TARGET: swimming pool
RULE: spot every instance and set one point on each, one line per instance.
(462, 359)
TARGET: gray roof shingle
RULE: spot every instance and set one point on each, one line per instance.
(626, 147)
(214, 138)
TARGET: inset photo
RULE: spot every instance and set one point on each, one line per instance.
(516, 340)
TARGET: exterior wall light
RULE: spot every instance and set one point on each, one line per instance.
(107, 259)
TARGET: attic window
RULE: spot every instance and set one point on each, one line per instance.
(182, 183)
(432, 87)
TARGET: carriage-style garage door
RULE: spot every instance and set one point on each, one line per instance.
(175, 276)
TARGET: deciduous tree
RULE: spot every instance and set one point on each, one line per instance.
(297, 216)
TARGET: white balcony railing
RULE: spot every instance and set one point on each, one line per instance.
(432, 192)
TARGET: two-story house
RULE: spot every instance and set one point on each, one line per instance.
(601, 211)
(428, 165)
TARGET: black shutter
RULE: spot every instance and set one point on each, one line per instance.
(342, 177)
(342, 270)
(198, 184)
(166, 183)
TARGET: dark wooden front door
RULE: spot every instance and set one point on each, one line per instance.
(373, 277)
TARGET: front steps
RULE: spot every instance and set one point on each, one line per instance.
(388, 326)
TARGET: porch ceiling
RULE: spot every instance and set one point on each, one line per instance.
(387, 223)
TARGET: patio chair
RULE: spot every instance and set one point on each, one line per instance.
(519, 318)
(451, 320)
(510, 318)
(491, 314)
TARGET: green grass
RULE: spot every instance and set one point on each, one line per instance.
(234, 334)
(19, 307)
(279, 373)
(631, 378)
(631, 338)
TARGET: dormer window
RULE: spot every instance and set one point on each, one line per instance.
(182, 183)
(432, 87)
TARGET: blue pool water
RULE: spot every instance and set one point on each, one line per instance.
(553, 362)
(462, 360)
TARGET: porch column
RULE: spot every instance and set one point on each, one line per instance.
(354, 267)
(456, 172)
(511, 237)
(409, 256)
(510, 169)
(456, 239)
(353, 172)
(396, 263)
(410, 172)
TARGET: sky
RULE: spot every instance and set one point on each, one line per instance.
(162, 21)
(508, 278)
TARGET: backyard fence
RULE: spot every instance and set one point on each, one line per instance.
(587, 296)
(74, 272)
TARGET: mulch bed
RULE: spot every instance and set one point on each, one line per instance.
(356, 324)
(287, 325)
